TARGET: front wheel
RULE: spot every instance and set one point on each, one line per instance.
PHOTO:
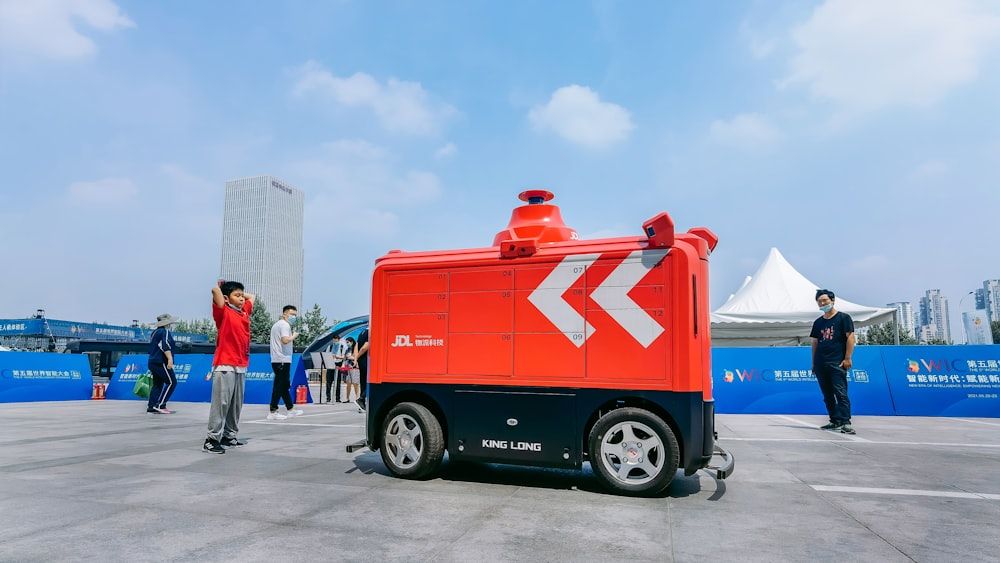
(633, 452)
(412, 441)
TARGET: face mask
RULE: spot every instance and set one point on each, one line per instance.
(291, 318)
(826, 308)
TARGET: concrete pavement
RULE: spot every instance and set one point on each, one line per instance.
(103, 480)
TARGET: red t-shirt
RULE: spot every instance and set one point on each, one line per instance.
(232, 346)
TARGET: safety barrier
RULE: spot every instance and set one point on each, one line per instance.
(886, 380)
(43, 376)
(194, 382)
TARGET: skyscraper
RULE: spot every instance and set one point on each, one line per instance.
(934, 321)
(904, 315)
(262, 240)
(989, 298)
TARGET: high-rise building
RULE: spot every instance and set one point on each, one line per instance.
(934, 321)
(988, 298)
(904, 312)
(262, 240)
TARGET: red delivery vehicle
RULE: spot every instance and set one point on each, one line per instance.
(547, 350)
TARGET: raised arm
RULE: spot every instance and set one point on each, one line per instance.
(217, 297)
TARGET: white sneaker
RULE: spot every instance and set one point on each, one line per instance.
(296, 412)
(276, 416)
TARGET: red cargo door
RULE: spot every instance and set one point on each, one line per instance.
(417, 323)
(481, 322)
(627, 306)
(550, 327)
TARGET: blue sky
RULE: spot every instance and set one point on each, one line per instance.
(861, 138)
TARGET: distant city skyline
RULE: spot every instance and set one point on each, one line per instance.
(932, 319)
(904, 313)
(988, 299)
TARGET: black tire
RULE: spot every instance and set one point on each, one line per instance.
(412, 441)
(633, 452)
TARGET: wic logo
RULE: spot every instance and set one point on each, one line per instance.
(744, 375)
(938, 366)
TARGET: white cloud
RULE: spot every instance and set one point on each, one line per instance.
(445, 152)
(869, 264)
(181, 179)
(867, 55)
(577, 114)
(761, 47)
(107, 191)
(119, 216)
(748, 131)
(931, 169)
(400, 106)
(356, 186)
(49, 28)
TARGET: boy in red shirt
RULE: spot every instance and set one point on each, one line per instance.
(231, 310)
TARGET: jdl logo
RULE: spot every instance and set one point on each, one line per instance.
(402, 340)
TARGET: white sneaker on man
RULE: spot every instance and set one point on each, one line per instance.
(276, 416)
(296, 412)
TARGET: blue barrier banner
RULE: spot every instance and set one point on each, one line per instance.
(69, 329)
(193, 385)
(780, 381)
(944, 380)
(43, 376)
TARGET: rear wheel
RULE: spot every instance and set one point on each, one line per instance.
(633, 452)
(412, 441)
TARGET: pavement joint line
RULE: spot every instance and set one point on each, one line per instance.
(796, 421)
(904, 492)
(282, 423)
(872, 442)
(977, 422)
(850, 437)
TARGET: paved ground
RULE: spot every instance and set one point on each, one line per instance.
(102, 480)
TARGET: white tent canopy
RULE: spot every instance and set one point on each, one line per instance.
(776, 307)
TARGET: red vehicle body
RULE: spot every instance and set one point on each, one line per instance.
(547, 350)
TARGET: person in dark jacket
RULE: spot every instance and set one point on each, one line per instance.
(161, 365)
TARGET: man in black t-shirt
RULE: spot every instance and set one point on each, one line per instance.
(361, 356)
(832, 348)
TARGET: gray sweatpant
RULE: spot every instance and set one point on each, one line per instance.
(227, 402)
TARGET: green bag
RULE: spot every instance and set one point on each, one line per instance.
(142, 385)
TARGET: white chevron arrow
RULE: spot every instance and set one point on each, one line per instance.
(612, 295)
(548, 298)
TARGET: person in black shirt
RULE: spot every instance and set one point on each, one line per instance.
(361, 356)
(832, 348)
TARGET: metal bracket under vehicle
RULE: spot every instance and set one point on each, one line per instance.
(725, 469)
(360, 444)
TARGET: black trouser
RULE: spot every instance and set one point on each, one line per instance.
(333, 378)
(164, 383)
(363, 367)
(282, 383)
(833, 383)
